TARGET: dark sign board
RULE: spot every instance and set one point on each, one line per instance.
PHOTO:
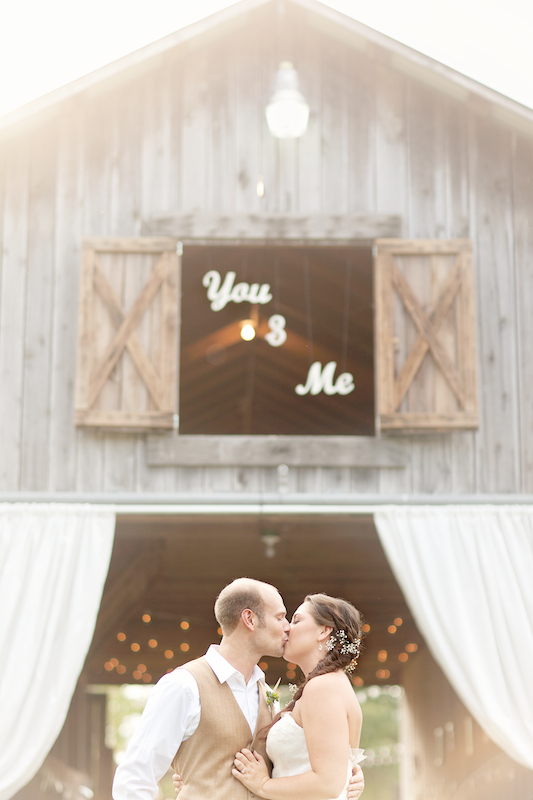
(277, 340)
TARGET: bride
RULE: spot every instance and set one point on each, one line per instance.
(313, 744)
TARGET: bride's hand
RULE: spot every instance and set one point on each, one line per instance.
(178, 783)
(250, 770)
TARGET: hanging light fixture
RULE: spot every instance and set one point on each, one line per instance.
(287, 113)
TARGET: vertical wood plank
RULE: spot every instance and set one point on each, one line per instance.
(361, 93)
(498, 446)
(120, 464)
(391, 146)
(195, 129)
(39, 312)
(97, 159)
(12, 309)
(459, 225)
(523, 248)
(334, 112)
(69, 211)
(310, 146)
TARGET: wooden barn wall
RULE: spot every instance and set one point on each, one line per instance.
(186, 132)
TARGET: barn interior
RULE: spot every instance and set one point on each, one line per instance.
(157, 608)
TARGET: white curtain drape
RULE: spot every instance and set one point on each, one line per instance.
(467, 575)
(53, 564)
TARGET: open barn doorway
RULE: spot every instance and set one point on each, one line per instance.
(157, 613)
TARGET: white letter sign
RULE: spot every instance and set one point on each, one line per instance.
(319, 380)
(220, 296)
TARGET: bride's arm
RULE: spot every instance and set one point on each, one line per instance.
(325, 722)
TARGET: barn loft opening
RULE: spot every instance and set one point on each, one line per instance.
(277, 340)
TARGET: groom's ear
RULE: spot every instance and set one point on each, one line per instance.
(248, 619)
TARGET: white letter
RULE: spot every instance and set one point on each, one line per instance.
(319, 379)
(264, 295)
(253, 293)
(277, 334)
(224, 295)
(344, 383)
(240, 293)
(212, 280)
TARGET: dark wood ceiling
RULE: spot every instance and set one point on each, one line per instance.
(173, 569)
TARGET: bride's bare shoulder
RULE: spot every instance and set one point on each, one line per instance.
(329, 684)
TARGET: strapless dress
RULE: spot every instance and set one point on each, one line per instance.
(287, 749)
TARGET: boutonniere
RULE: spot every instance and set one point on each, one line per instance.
(273, 695)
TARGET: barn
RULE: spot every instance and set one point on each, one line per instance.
(232, 349)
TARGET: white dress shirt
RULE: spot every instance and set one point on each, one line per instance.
(171, 715)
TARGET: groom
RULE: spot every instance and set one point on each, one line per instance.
(198, 716)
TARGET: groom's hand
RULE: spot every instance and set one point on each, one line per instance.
(357, 784)
(178, 783)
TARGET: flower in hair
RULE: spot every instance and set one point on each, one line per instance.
(346, 646)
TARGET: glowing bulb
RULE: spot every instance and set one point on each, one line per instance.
(247, 330)
(184, 625)
(184, 647)
(382, 655)
(169, 654)
(287, 112)
(392, 629)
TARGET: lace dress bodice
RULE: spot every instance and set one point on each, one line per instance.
(287, 749)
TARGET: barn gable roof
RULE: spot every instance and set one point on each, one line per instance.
(402, 58)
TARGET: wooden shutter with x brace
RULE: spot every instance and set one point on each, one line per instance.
(128, 333)
(425, 335)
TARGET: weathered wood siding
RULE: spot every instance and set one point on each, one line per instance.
(186, 132)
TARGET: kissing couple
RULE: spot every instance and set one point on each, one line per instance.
(217, 723)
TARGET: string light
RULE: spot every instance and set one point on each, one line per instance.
(184, 646)
(382, 655)
(357, 681)
(366, 628)
(121, 637)
(383, 674)
(219, 631)
(135, 647)
(146, 618)
(147, 677)
(398, 621)
(108, 666)
(263, 665)
(169, 654)
(114, 661)
(121, 669)
(392, 629)
(403, 657)
(184, 625)
(137, 675)
(411, 648)
(291, 674)
(152, 642)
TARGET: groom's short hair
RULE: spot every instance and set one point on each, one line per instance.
(235, 597)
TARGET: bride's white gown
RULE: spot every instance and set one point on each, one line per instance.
(287, 749)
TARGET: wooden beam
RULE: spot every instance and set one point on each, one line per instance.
(265, 228)
(264, 451)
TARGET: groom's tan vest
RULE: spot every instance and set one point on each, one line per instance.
(204, 760)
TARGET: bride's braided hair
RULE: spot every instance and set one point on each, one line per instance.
(343, 617)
